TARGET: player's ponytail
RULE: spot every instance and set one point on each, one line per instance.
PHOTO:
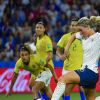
(96, 22)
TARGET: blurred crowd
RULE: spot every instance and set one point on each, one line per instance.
(17, 19)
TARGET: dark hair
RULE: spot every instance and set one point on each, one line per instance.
(25, 48)
(75, 19)
(42, 23)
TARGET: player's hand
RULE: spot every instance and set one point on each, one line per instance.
(63, 57)
(67, 54)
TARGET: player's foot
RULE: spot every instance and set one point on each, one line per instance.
(38, 99)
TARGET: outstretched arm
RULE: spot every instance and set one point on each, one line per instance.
(14, 77)
(60, 54)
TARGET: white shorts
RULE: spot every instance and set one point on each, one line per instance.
(65, 71)
(45, 77)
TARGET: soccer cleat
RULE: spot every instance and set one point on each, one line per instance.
(39, 99)
(97, 98)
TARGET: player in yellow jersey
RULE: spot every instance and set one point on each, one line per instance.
(44, 48)
(75, 59)
(36, 66)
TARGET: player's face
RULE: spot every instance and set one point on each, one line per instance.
(73, 26)
(25, 56)
(84, 30)
(39, 29)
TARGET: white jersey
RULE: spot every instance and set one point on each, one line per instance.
(91, 51)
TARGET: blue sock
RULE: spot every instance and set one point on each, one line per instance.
(39, 94)
(82, 95)
(66, 97)
(44, 96)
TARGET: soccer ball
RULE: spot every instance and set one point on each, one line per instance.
(97, 98)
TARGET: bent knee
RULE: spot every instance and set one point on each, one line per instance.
(62, 80)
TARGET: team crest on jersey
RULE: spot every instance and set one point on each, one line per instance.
(34, 66)
(41, 62)
(49, 46)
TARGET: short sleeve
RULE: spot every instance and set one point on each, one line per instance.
(49, 45)
(17, 67)
(61, 42)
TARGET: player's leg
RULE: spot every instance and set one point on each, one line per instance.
(36, 88)
(82, 95)
(68, 88)
(90, 93)
(88, 81)
(47, 92)
(46, 77)
(67, 92)
(32, 83)
(71, 77)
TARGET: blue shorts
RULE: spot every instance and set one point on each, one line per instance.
(88, 78)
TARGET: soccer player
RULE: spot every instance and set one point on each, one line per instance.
(44, 48)
(87, 77)
(75, 60)
(35, 65)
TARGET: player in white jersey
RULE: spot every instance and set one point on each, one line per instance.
(88, 75)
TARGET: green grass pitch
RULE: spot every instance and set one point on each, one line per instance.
(74, 96)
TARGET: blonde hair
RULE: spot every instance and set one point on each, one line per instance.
(95, 22)
(95, 19)
(84, 21)
(98, 19)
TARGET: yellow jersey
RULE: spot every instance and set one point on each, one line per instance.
(76, 53)
(43, 46)
(35, 66)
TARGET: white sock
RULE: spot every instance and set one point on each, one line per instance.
(58, 92)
